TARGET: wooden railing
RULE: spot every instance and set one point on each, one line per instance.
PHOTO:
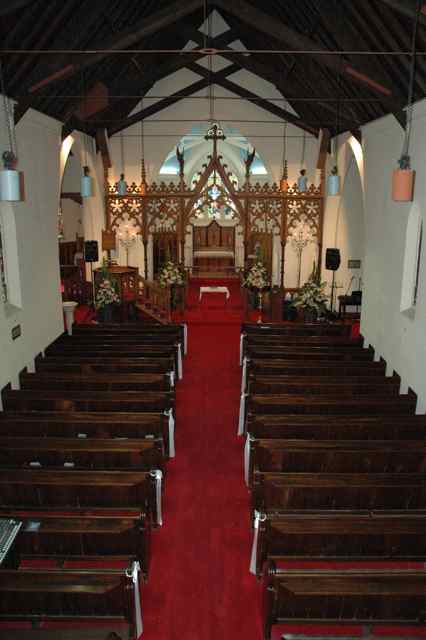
(158, 301)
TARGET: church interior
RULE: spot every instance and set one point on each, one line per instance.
(212, 320)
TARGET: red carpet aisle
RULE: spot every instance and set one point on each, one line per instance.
(200, 587)
(214, 307)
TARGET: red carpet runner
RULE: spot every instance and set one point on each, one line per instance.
(200, 587)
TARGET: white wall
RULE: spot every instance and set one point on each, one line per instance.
(35, 284)
(344, 220)
(72, 216)
(399, 337)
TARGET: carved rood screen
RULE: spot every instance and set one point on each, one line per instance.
(153, 208)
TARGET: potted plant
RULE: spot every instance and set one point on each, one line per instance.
(311, 298)
(256, 280)
(171, 276)
(106, 297)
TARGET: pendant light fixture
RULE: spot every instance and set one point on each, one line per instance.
(333, 180)
(284, 177)
(122, 184)
(403, 177)
(86, 187)
(143, 187)
(302, 181)
(10, 180)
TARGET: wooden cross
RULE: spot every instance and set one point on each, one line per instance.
(215, 134)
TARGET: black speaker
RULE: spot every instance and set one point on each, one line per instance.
(91, 251)
(332, 259)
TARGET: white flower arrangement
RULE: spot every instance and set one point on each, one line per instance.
(311, 296)
(106, 294)
(170, 274)
(257, 277)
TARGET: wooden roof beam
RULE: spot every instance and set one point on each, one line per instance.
(102, 145)
(282, 33)
(252, 64)
(227, 84)
(323, 150)
(407, 8)
(158, 106)
(146, 27)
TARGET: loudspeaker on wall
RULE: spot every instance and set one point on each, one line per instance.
(332, 259)
(91, 251)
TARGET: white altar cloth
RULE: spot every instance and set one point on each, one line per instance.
(224, 290)
(214, 253)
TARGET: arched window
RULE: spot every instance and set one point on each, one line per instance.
(215, 202)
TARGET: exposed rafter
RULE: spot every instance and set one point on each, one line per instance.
(323, 150)
(259, 68)
(9, 6)
(272, 108)
(102, 145)
(146, 27)
(407, 8)
(283, 33)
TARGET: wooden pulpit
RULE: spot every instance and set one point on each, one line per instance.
(125, 280)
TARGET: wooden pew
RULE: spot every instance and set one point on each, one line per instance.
(126, 339)
(315, 329)
(81, 453)
(84, 425)
(96, 382)
(360, 535)
(105, 365)
(341, 354)
(94, 351)
(275, 491)
(340, 456)
(341, 427)
(79, 533)
(389, 596)
(287, 367)
(330, 404)
(71, 596)
(345, 342)
(74, 488)
(307, 385)
(79, 400)
(177, 330)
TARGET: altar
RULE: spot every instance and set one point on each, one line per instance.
(214, 248)
(214, 259)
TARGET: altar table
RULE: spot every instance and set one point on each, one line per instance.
(224, 290)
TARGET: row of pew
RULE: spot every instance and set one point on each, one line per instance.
(335, 460)
(83, 448)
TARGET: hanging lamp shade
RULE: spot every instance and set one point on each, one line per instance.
(302, 181)
(86, 189)
(403, 185)
(333, 185)
(10, 181)
(10, 187)
(333, 182)
(122, 186)
(283, 184)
